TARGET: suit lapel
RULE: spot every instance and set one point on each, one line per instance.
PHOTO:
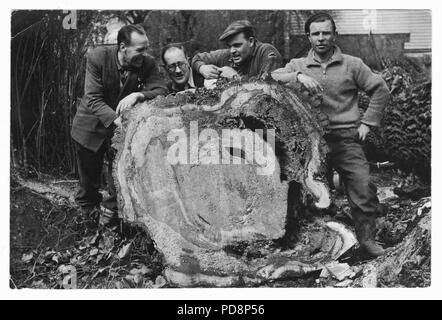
(114, 80)
(129, 86)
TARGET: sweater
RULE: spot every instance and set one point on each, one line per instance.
(341, 78)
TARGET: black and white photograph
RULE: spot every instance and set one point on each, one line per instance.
(169, 149)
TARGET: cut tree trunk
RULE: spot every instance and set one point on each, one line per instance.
(207, 174)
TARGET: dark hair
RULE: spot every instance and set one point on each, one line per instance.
(319, 17)
(124, 35)
(248, 32)
(170, 46)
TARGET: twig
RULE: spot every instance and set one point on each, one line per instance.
(24, 30)
(65, 181)
(12, 280)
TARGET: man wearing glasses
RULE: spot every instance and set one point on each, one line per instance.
(178, 68)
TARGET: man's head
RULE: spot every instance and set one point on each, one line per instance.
(132, 43)
(176, 63)
(321, 31)
(240, 38)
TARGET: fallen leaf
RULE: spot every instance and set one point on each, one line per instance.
(27, 257)
(124, 251)
(99, 257)
(94, 239)
(138, 278)
(145, 270)
(129, 278)
(160, 282)
(324, 273)
(134, 271)
(119, 285)
(340, 271)
(55, 258)
(344, 283)
(93, 252)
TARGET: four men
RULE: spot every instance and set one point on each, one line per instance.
(117, 78)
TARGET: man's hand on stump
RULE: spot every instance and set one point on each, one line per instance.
(128, 102)
(209, 71)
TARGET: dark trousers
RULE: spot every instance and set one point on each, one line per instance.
(348, 158)
(90, 166)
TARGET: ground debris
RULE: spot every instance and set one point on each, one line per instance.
(51, 242)
(49, 239)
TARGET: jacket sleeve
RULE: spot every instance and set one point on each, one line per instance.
(155, 85)
(94, 91)
(270, 60)
(289, 73)
(376, 89)
(217, 58)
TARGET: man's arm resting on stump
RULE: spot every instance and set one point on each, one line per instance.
(207, 63)
(291, 73)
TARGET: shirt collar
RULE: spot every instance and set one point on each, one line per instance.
(336, 57)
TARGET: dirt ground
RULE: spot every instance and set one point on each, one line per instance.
(53, 246)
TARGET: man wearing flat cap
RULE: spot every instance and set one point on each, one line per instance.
(245, 56)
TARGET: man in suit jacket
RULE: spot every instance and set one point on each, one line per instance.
(117, 77)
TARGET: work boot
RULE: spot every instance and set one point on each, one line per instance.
(90, 213)
(365, 227)
(108, 217)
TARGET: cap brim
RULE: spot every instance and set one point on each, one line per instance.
(227, 34)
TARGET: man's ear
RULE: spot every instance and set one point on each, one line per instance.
(122, 46)
(252, 40)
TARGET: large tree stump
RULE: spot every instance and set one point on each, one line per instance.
(206, 199)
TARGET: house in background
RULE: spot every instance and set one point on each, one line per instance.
(373, 35)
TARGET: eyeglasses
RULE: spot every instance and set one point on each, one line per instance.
(172, 67)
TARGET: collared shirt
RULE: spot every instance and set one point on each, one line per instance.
(124, 72)
(341, 77)
(264, 58)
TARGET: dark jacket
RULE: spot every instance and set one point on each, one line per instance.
(265, 58)
(102, 93)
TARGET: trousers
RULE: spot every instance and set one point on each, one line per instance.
(90, 166)
(347, 156)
